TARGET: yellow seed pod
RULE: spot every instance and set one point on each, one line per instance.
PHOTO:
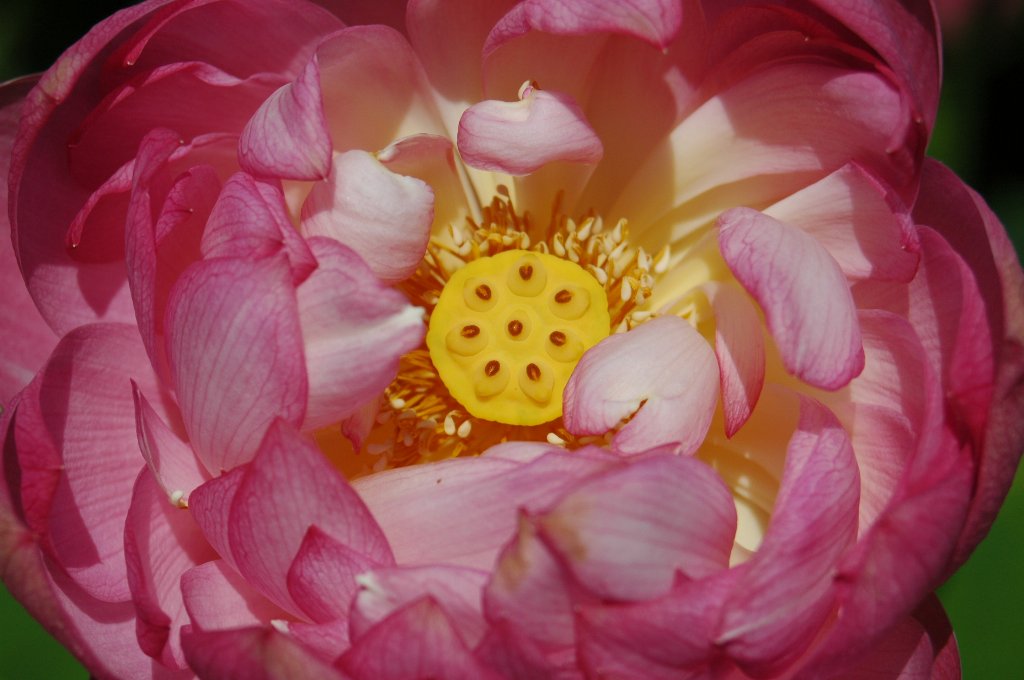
(508, 330)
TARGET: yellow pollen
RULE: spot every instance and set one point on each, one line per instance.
(507, 331)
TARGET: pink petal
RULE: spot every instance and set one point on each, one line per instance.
(627, 534)
(521, 137)
(252, 654)
(218, 598)
(803, 293)
(161, 542)
(456, 590)
(655, 21)
(780, 604)
(27, 340)
(322, 578)
(172, 461)
(417, 641)
(354, 331)
(288, 137)
(739, 348)
(235, 349)
(210, 506)
(289, 487)
(382, 216)
(430, 158)
(662, 371)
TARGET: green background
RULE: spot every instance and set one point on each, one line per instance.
(979, 133)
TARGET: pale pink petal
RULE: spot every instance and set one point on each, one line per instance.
(663, 373)
(218, 598)
(655, 21)
(235, 349)
(417, 641)
(210, 506)
(252, 654)
(172, 461)
(804, 295)
(521, 137)
(288, 137)
(322, 578)
(858, 220)
(739, 347)
(354, 331)
(780, 604)
(26, 341)
(481, 496)
(456, 590)
(289, 487)
(627, 534)
(161, 542)
(430, 158)
(383, 216)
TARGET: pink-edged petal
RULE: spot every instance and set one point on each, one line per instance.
(456, 590)
(663, 373)
(417, 641)
(161, 542)
(627, 534)
(172, 461)
(778, 607)
(260, 653)
(739, 347)
(481, 496)
(289, 487)
(858, 220)
(521, 137)
(216, 597)
(26, 341)
(288, 137)
(210, 505)
(382, 216)
(515, 657)
(354, 331)
(235, 349)
(804, 295)
(654, 21)
(250, 219)
(322, 578)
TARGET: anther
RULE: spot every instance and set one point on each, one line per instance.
(563, 296)
(525, 272)
(492, 368)
(470, 331)
(533, 372)
(515, 327)
(483, 291)
(557, 338)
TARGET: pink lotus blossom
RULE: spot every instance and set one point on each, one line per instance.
(550, 339)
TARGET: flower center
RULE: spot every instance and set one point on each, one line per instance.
(508, 330)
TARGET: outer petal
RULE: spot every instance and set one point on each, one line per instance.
(382, 216)
(217, 598)
(663, 371)
(803, 293)
(322, 578)
(252, 654)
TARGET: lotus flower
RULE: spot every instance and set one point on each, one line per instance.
(499, 340)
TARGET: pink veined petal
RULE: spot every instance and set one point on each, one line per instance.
(252, 654)
(858, 221)
(654, 21)
(521, 137)
(354, 331)
(628, 533)
(235, 349)
(417, 641)
(778, 607)
(804, 295)
(172, 461)
(322, 578)
(210, 506)
(26, 341)
(383, 216)
(739, 348)
(288, 136)
(515, 657)
(289, 487)
(216, 597)
(455, 589)
(161, 542)
(662, 371)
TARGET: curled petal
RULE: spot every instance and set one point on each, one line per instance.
(739, 347)
(172, 461)
(663, 373)
(521, 137)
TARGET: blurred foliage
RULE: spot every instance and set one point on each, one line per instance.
(979, 133)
